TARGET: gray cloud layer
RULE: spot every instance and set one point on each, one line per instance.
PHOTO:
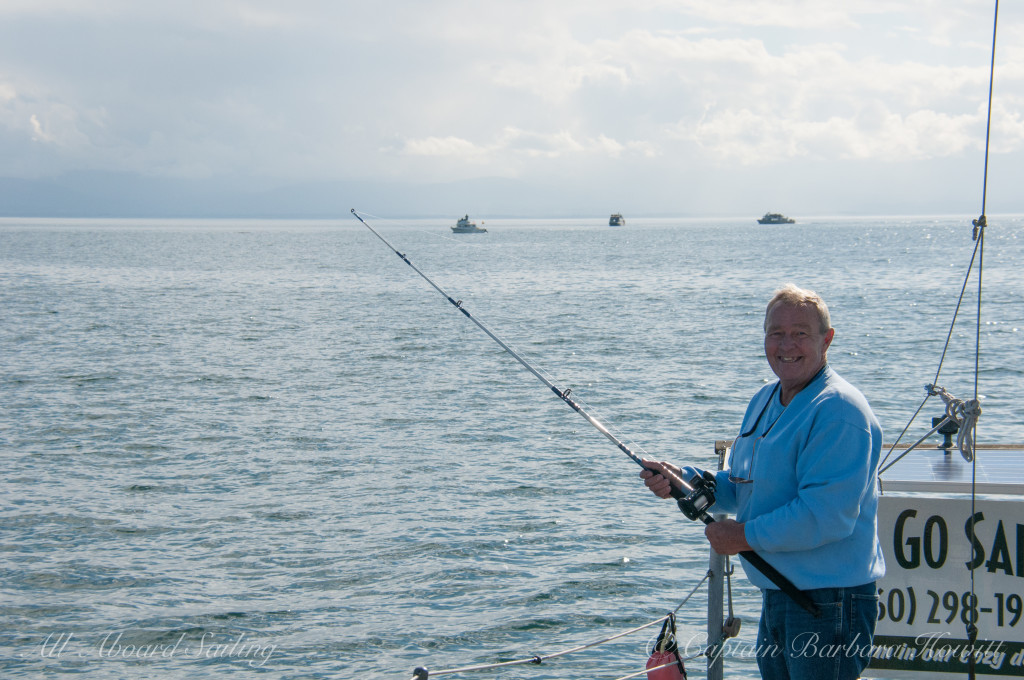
(744, 100)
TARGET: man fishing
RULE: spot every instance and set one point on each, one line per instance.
(801, 480)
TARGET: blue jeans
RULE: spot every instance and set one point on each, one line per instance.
(794, 645)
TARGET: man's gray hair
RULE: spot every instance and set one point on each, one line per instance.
(793, 296)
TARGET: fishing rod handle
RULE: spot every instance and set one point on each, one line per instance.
(784, 584)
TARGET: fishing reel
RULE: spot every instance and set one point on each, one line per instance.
(695, 501)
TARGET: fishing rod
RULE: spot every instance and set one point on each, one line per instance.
(694, 496)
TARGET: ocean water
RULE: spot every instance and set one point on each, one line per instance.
(269, 448)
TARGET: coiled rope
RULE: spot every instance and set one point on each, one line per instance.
(422, 673)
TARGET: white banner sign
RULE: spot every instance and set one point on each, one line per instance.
(927, 599)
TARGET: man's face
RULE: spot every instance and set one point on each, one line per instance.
(795, 346)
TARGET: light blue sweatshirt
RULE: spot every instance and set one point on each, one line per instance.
(811, 510)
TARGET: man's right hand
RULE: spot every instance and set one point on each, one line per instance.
(660, 477)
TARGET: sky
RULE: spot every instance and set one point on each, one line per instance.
(684, 107)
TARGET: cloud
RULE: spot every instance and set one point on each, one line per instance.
(450, 89)
(41, 117)
(38, 133)
(520, 143)
(743, 138)
(444, 146)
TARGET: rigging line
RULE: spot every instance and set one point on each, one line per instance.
(979, 228)
(988, 123)
(977, 332)
(882, 465)
(910, 448)
(537, 659)
(686, 599)
(980, 225)
(645, 671)
(975, 254)
(956, 311)
(611, 638)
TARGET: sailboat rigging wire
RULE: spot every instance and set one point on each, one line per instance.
(979, 229)
(980, 224)
(694, 497)
(942, 359)
(970, 411)
(665, 665)
(936, 428)
(537, 659)
(988, 122)
(422, 673)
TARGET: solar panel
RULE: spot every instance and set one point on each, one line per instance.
(996, 470)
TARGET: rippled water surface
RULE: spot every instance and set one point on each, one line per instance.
(238, 447)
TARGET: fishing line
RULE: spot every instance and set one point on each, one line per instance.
(563, 394)
(694, 496)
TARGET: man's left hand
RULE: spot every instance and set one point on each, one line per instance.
(727, 537)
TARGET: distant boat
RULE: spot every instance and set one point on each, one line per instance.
(775, 218)
(616, 220)
(464, 226)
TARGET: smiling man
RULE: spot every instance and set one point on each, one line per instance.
(802, 481)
